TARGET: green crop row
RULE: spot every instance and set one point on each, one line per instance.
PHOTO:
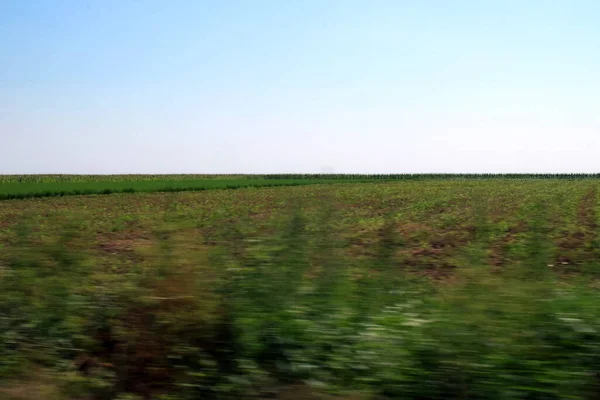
(30, 186)
(24, 190)
(431, 176)
(77, 178)
(69, 178)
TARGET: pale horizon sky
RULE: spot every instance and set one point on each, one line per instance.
(282, 86)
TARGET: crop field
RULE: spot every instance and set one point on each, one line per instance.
(296, 287)
(28, 186)
(20, 187)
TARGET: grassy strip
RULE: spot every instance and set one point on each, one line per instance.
(10, 191)
(32, 186)
(71, 178)
(82, 178)
(420, 177)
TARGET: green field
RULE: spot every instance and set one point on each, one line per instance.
(28, 186)
(396, 286)
(52, 187)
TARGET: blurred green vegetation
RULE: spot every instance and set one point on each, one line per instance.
(241, 312)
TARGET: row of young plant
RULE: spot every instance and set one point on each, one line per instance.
(266, 312)
(84, 178)
(74, 178)
(426, 176)
(12, 191)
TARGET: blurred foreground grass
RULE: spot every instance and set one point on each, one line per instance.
(416, 290)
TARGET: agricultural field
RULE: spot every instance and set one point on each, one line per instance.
(29, 186)
(299, 287)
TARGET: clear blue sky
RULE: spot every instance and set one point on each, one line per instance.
(257, 86)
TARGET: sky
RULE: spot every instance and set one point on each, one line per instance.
(284, 86)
